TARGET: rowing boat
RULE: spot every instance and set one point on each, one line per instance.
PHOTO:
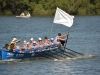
(23, 16)
(6, 55)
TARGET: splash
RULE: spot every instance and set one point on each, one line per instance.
(75, 58)
(81, 57)
(58, 60)
(10, 60)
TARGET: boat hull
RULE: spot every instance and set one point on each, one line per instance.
(6, 55)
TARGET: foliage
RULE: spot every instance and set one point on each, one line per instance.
(48, 7)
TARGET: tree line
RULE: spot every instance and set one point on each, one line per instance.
(48, 7)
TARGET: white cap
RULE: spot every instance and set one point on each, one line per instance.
(52, 39)
(34, 42)
(27, 42)
(24, 41)
(31, 39)
(14, 39)
(40, 39)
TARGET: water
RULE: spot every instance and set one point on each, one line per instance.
(84, 37)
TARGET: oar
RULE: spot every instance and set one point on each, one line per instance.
(75, 51)
(55, 53)
(66, 55)
(49, 55)
(68, 52)
(63, 54)
(71, 55)
(70, 49)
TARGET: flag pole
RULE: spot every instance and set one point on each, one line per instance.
(51, 30)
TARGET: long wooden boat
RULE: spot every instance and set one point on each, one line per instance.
(50, 52)
(5, 54)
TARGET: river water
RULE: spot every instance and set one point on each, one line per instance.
(84, 37)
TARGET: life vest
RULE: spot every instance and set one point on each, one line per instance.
(39, 47)
(33, 47)
(45, 46)
(51, 44)
(26, 49)
(12, 42)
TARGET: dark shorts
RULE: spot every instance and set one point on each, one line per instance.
(63, 42)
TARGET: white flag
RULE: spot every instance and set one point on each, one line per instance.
(61, 17)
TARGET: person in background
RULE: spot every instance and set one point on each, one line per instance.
(28, 15)
(22, 14)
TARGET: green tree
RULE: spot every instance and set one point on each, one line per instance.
(48, 7)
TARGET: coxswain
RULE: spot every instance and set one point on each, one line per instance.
(13, 43)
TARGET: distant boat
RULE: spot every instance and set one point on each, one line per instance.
(23, 16)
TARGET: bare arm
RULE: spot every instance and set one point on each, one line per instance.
(65, 34)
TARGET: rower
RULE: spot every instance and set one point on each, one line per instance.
(34, 46)
(46, 43)
(62, 38)
(40, 44)
(28, 48)
(52, 43)
(31, 40)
